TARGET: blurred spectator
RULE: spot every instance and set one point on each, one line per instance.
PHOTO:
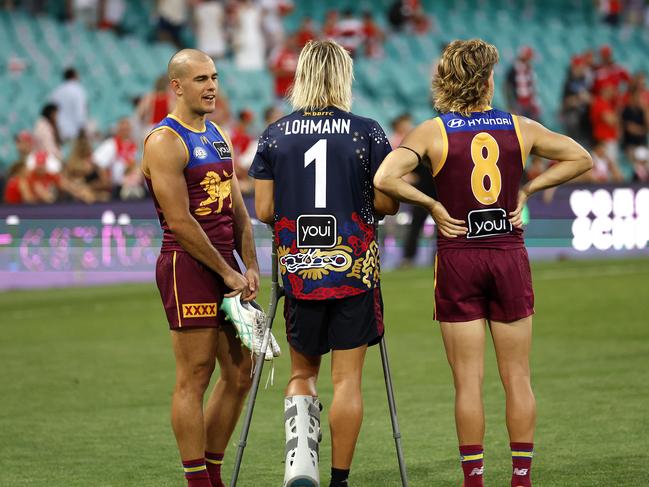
(272, 114)
(132, 185)
(83, 178)
(46, 133)
(115, 155)
(411, 14)
(605, 168)
(24, 141)
(248, 39)
(43, 177)
(576, 102)
(608, 72)
(244, 149)
(635, 128)
(273, 28)
(350, 32)
(17, 189)
(240, 133)
(85, 12)
(401, 126)
(307, 32)
(71, 99)
(373, 36)
(330, 26)
(638, 83)
(209, 21)
(604, 119)
(611, 11)
(111, 14)
(283, 64)
(520, 88)
(172, 19)
(155, 106)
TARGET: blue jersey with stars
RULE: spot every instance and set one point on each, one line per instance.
(322, 163)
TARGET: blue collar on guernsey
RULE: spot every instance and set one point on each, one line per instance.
(490, 119)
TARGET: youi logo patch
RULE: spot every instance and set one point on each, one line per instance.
(456, 123)
(223, 149)
(488, 223)
(316, 231)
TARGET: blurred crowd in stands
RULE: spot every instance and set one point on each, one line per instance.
(604, 107)
(63, 159)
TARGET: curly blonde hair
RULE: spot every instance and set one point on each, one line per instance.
(461, 83)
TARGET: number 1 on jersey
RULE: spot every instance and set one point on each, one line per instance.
(318, 153)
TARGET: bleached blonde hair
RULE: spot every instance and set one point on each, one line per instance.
(324, 76)
(461, 82)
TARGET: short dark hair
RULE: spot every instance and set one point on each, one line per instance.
(48, 110)
(69, 73)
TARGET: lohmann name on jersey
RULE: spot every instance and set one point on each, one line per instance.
(310, 126)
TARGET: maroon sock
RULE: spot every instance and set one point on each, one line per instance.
(196, 473)
(522, 454)
(213, 461)
(472, 458)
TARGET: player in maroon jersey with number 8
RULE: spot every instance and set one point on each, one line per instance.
(477, 155)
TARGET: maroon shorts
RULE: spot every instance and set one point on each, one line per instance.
(495, 284)
(191, 292)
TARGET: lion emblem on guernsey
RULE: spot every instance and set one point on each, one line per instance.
(217, 190)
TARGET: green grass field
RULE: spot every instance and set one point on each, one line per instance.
(87, 375)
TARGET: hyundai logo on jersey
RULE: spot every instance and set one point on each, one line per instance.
(316, 231)
(478, 121)
(456, 123)
(488, 223)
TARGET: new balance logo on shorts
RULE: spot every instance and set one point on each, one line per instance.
(316, 231)
(521, 471)
(477, 471)
(487, 223)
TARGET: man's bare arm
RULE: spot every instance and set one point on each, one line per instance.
(244, 239)
(265, 200)
(572, 160)
(402, 161)
(384, 204)
(164, 161)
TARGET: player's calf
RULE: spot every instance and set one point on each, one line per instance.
(302, 426)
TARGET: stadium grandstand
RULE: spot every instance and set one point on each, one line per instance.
(119, 65)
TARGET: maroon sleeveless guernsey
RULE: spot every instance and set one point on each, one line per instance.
(479, 177)
(208, 174)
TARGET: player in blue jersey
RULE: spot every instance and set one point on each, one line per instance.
(482, 273)
(313, 172)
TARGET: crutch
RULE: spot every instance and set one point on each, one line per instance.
(276, 292)
(396, 433)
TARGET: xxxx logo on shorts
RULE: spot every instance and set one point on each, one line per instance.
(199, 310)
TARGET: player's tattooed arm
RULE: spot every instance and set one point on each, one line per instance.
(402, 161)
(164, 161)
(572, 161)
(244, 240)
